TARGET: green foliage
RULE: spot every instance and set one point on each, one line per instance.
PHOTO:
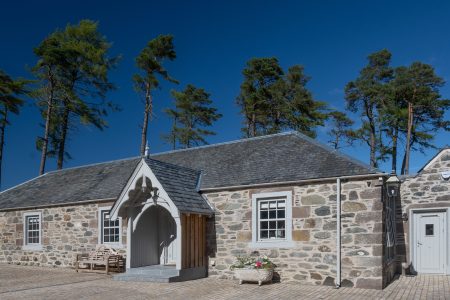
(272, 100)
(365, 96)
(11, 92)
(192, 115)
(150, 63)
(396, 105)
(340, 131)
(416, 87)
(251, 262)
(73, 66)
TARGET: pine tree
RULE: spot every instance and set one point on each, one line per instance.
(73, 67)
(193, 114)
(340, 132)
(365, 95)
(11, 92)
(150, 63)
(272, 101)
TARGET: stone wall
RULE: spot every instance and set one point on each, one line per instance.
(313, 258)
(66, 231)
(425, 190)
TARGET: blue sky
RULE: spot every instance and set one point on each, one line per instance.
(213, 40)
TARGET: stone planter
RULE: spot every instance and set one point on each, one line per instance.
(254, 275)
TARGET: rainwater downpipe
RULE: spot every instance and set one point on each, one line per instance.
(338, 233)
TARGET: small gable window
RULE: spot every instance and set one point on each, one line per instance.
(272, 219)
(110, 232)
(32, 231)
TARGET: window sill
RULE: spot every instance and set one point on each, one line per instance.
(272, 244)
(114, 245)
(32, 247)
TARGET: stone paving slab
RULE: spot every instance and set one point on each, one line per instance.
(25, 282)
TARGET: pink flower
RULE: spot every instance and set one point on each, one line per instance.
(258, 264)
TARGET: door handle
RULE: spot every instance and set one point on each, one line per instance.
(419, 243)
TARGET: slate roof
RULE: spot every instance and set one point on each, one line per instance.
(269, 159)
(180, 183)
(274, 158)
(92, 182)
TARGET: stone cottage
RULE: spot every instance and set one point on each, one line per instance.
(422, 218)
(321, 216)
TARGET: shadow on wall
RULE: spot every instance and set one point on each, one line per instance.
(211, 240)
(405, 266)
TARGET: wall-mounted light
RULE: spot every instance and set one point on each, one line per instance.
(393, 185)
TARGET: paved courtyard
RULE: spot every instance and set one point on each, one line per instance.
(23, 282)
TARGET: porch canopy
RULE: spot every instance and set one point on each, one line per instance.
(166, 216)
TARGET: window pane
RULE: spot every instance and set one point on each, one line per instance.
(264, 225)
(280, 214)
(280, 224)
(281, 204)
(264, 214)
(264, 234)
(280, 234)
(264, 205)
(272, 225)
(272, 214)
(271, 234)
(429, 229)
(273, 204)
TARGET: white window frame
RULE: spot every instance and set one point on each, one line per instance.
(100, 229)
(272, 243)
(33, 246)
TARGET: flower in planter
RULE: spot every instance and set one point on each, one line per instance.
(249, 262)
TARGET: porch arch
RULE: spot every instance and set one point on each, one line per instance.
(153, 240)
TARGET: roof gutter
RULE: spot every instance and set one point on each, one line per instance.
(270, 184)
(58, 204)
(338, 233)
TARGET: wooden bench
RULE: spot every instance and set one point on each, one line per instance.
(102, 256)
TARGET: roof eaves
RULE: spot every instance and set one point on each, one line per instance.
(23, 183)
(284, 183)
(94, 164)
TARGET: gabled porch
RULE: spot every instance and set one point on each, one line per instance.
(166, 217)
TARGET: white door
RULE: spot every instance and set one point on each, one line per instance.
(430, 240)
(167, 232)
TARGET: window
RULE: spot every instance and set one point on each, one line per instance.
(429, 229)
(110, 232)
(272, 219)
(32, 231)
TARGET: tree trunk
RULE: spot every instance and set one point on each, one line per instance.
(408, 139)
(147, 112)
(62, 141)
(394, 150)
(373, 159)
(174, 136)
(47, 126)
(253, 125)
(2, 138)
(403, 164)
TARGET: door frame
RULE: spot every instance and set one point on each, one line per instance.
(412, 234)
